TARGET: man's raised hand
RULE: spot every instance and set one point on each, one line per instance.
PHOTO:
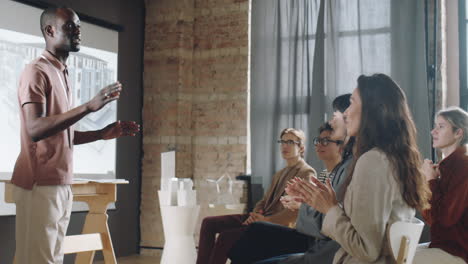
(106, 95)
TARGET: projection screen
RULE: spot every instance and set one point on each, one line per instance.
(94, 67)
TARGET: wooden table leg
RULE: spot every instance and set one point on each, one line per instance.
(96, 222)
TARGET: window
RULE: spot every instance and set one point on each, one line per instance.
(463, 27)
(362, 45)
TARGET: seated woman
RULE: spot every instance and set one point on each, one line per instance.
(328, 151)
(386, 183)
(448, 215)
(260, 241)
(269, 209)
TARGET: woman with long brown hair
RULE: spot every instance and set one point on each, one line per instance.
(386, 183)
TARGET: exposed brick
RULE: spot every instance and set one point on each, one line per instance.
(195, 86)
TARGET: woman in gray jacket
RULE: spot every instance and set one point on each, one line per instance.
(265, 240)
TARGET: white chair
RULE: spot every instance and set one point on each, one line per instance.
(404, 238)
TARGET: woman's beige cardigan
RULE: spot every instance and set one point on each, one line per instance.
(373, 201)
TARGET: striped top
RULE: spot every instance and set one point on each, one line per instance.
(323, 176)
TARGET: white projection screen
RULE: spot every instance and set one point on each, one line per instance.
(94, 67)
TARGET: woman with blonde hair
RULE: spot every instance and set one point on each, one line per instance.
(448, 180)
(214, 250)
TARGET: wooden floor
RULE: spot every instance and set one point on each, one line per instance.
(135, 260)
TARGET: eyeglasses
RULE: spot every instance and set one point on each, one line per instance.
(288, 142)
(325, 141)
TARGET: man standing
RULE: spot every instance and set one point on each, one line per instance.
(44, 169)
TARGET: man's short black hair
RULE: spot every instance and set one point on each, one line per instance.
(48, 17)
(341, 103)
(325, 127)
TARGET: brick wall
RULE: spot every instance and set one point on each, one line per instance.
(195, 95)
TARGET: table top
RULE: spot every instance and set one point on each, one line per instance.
(86, 181)
(180, 206)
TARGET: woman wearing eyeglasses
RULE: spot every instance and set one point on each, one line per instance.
(328, 150)
(212, 250)
(277, 244)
